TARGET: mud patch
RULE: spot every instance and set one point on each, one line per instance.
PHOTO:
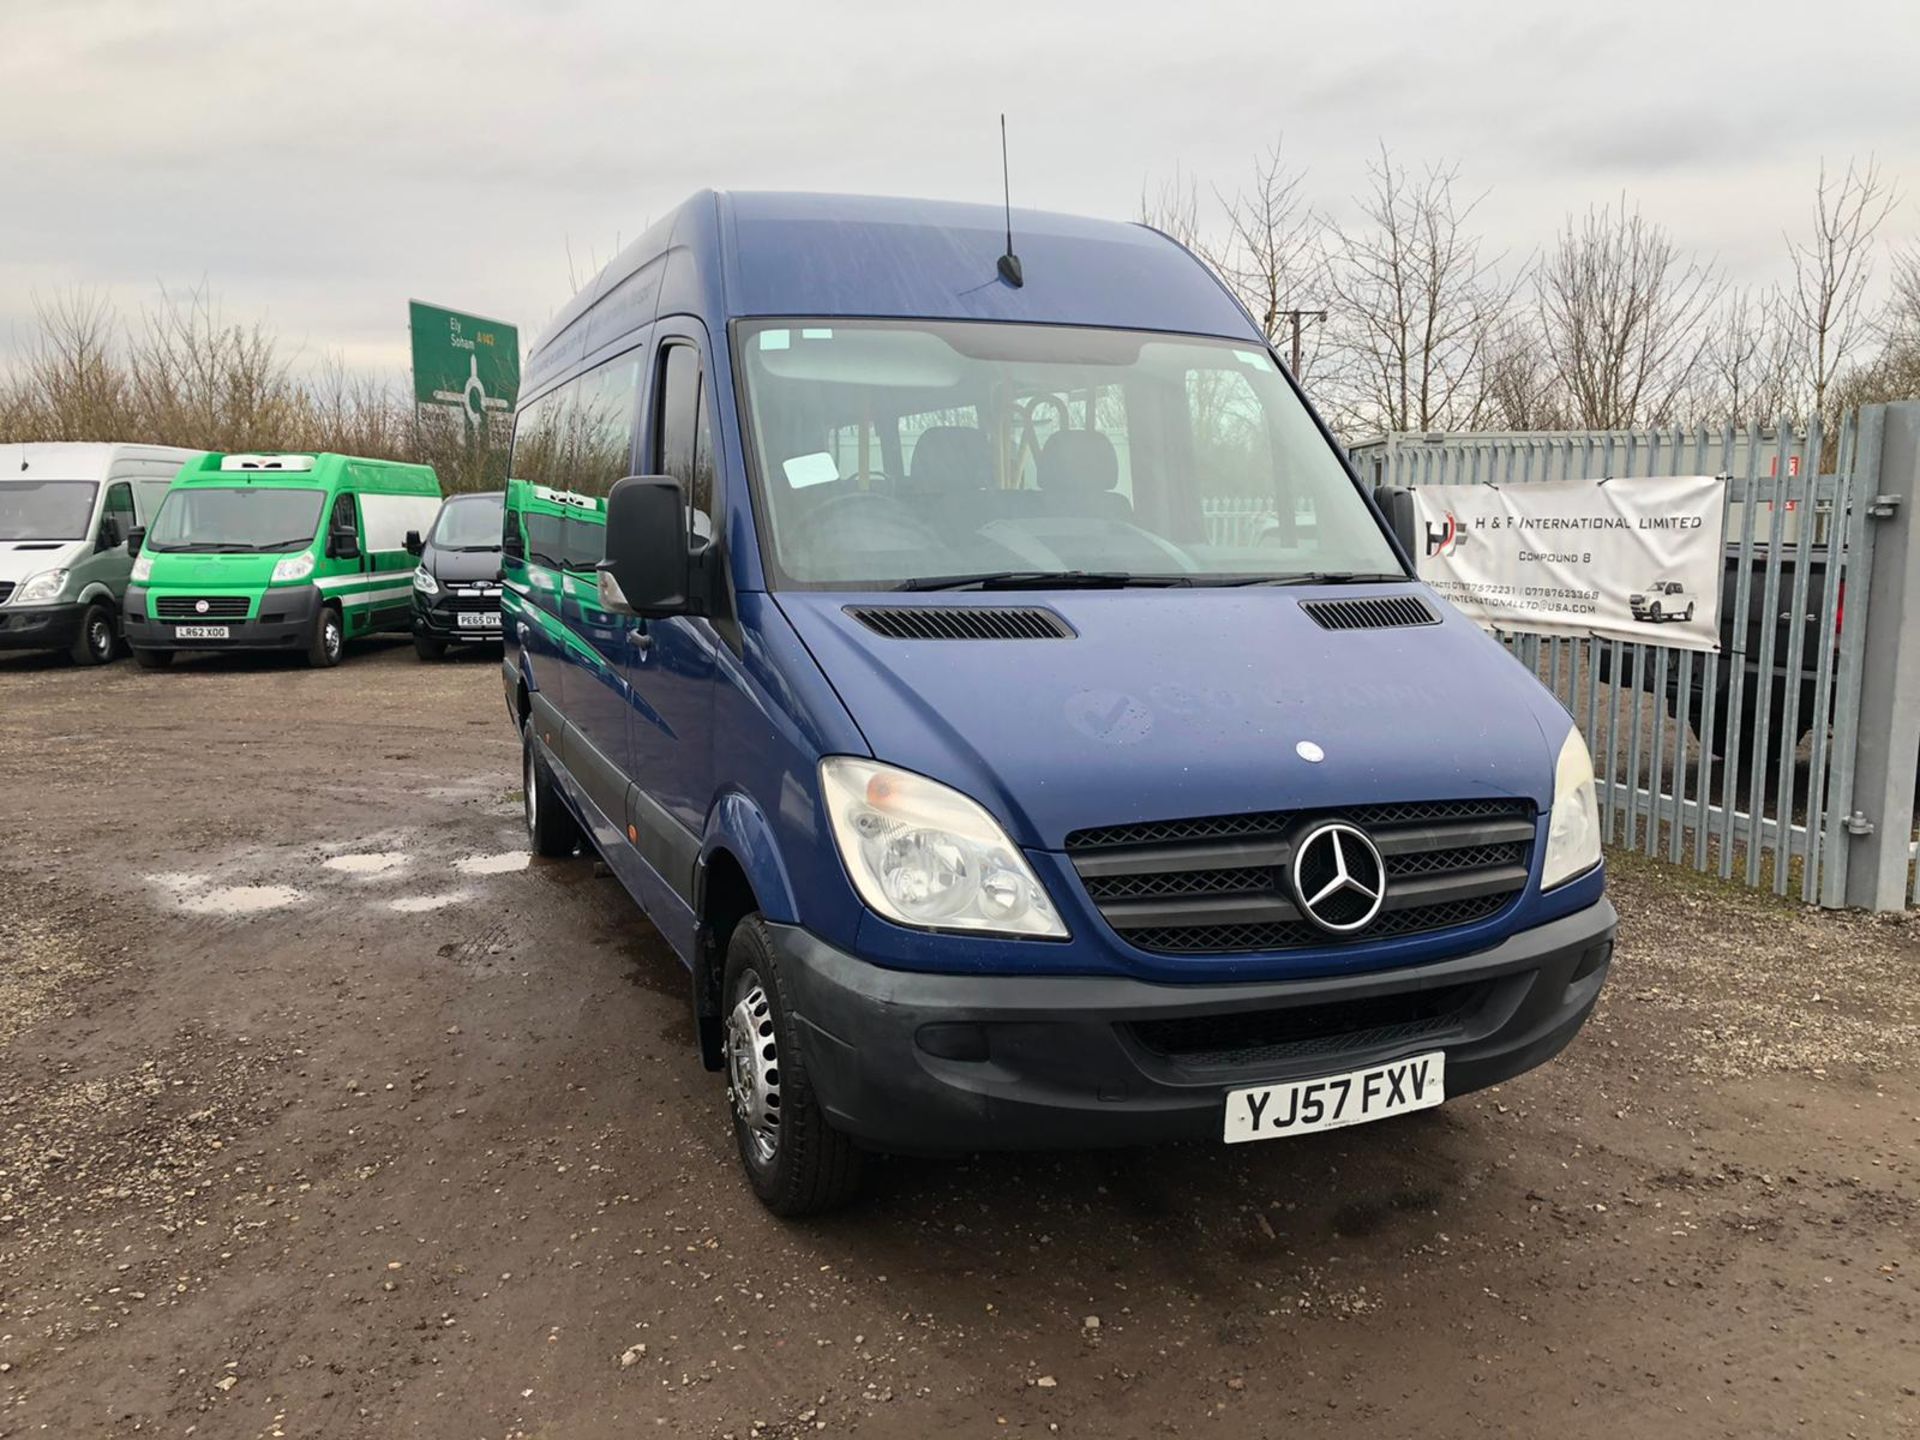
(241, 900)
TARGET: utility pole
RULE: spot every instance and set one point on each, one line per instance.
(1295, 318)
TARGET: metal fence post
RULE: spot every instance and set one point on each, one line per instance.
(1887, 736)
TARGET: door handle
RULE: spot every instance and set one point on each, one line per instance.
(640, 640)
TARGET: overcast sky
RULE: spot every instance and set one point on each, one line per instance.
(318, 163)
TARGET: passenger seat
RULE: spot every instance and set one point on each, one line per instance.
(1078, 471)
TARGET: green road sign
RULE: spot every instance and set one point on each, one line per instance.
(464, 360)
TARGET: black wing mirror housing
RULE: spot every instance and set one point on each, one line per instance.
(136, 537)
(343, 545)
(414, 544)
(649, 555)
(1397, 509)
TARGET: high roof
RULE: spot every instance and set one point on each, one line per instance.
(723, 254)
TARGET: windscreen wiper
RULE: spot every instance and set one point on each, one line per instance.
(1325, 577)
(1043, 580)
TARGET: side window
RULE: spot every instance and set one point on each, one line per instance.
(343, 517)
(119, 508)
(684, 440)
(1232, 445)
(538, 440)
(599, 454)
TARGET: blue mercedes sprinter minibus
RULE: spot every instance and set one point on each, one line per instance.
(994, 685)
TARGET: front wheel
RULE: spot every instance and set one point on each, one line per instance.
(1653, 612)
(327, 641)
(428, 648)
(93, 644)
(551, 828)
(1689, 610)
(796, 1161)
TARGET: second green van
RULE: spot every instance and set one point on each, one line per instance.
(288, 552)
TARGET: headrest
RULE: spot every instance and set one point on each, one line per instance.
(1078, 461)
(949, 458)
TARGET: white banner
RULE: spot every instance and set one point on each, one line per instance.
(1627, 559)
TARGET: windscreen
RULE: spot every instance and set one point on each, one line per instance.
(469, 523)
(45, 509)
(238, 518)
(893, 453)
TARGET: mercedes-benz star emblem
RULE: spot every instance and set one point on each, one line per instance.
(200, 607)
(1339, 879)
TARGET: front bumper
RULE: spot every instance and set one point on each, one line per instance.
(1079, 1061)
(39, 627)
(282, 619)
(438, 618)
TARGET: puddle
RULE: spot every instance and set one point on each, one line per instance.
(420, 904)
(377, 863)
(494, 864)
(241, 900)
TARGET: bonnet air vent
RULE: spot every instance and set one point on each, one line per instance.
(1386, 612)
(961, 622)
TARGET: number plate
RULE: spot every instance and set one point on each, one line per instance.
(479, 620)
(201, 632)
(1269, 1112)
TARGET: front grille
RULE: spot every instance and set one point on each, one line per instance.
(1220, 884)
(1379, 612)
(961, 622)
(6, 591)
(187, 607)
(1271, 1037)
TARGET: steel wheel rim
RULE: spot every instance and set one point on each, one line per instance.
(753, 1070)
(100, 637)
(330, 637)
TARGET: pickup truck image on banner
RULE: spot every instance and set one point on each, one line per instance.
(1625, 559)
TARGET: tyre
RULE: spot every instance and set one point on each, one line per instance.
(328, 639)
(153, 659)
(551, 829)
(428, 648)
(1653, 612)
(94, 642)
(1689, 614)
(797, 1163)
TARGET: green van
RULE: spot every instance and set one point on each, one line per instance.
(277, 552)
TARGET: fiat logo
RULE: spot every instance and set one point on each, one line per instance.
(199, 607)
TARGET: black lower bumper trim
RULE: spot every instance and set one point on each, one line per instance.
(283, 621)
(1045, 1062)
(41, 627)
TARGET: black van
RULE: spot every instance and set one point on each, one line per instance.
(456, 586)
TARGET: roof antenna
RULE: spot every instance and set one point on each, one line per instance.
(1009, 262)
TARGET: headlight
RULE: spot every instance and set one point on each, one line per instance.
(1573, 830)
(425, 583)
(142, 568)
(929, 857)
(294, 567)
(47, 585)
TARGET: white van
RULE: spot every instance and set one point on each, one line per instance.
(66, 511)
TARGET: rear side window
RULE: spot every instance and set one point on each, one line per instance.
(578, 441)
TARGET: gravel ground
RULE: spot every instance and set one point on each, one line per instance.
(325, 1112)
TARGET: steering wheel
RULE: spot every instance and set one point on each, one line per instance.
(843, 505)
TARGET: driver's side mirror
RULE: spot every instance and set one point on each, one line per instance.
(649, 556)
(136, 537)
(1397, 509)
(110, 536)
(414, 544)
(343, 544)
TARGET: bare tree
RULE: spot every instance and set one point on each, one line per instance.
(1417, 301)
(1831, 272)
(1270, 255)
(1747, 375)
(1623, 317)
(1518, 388)
(1173, 208)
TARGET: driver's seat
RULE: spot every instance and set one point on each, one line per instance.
(949, 475)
